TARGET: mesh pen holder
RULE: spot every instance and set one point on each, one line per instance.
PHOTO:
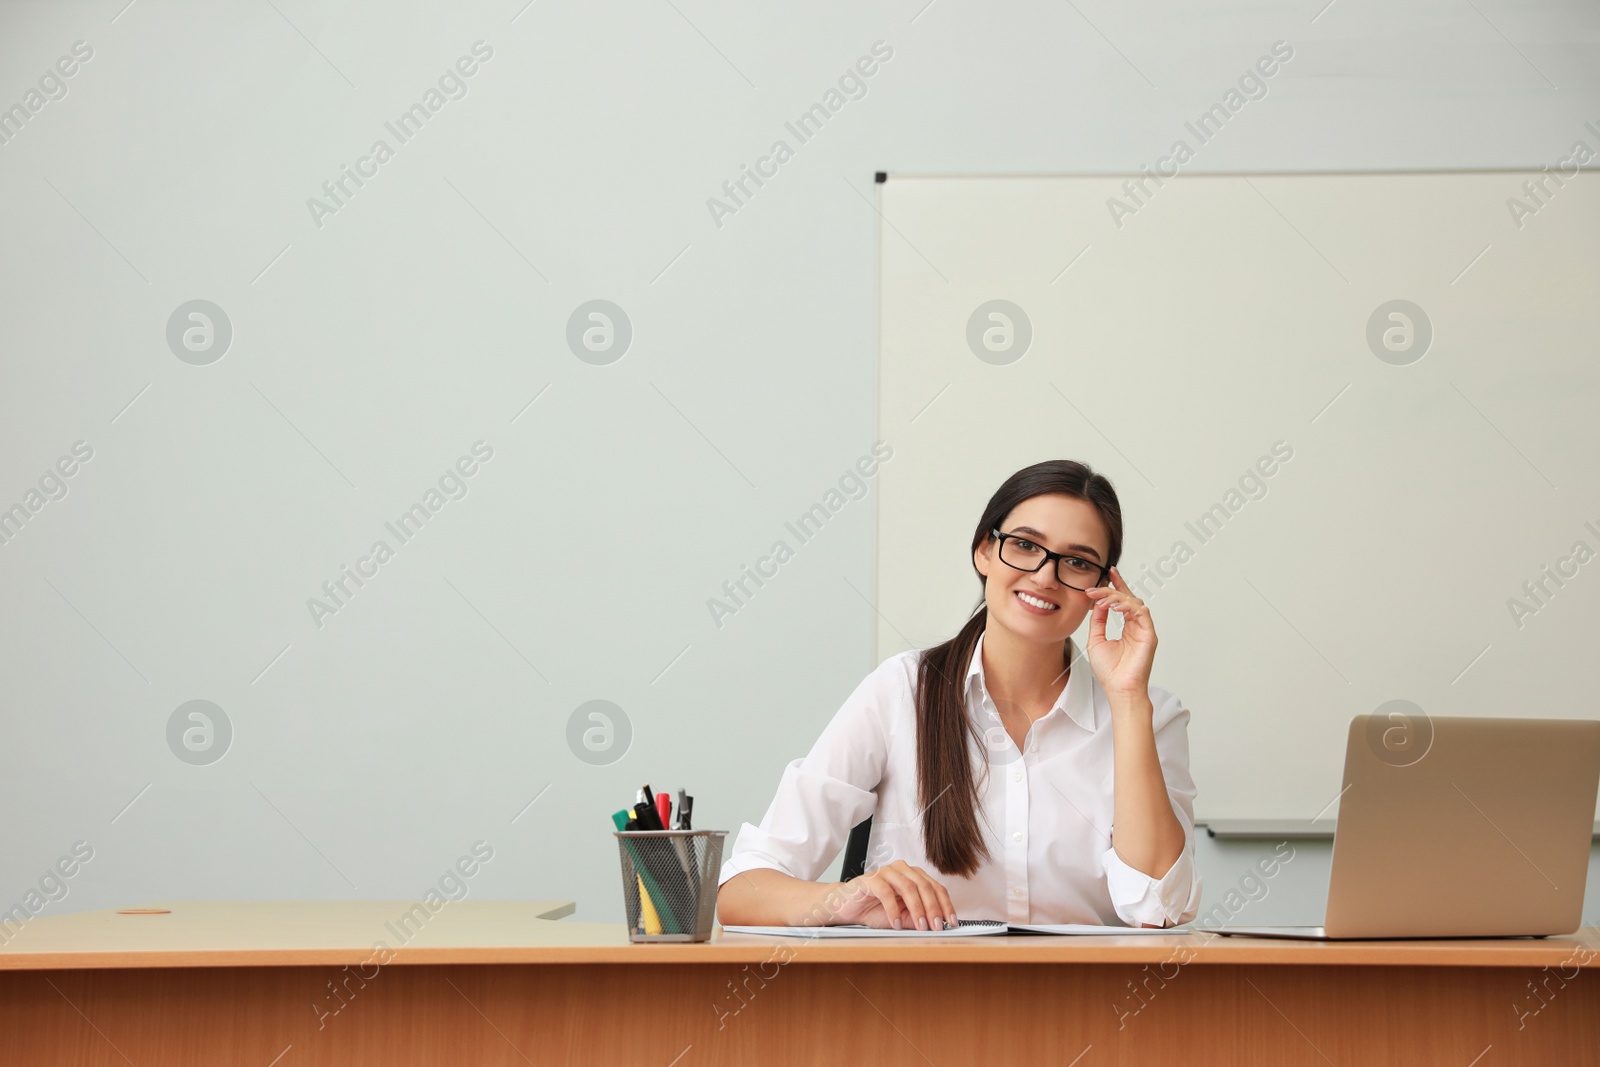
(669, 882)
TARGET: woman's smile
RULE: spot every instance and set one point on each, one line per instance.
(1035, 603)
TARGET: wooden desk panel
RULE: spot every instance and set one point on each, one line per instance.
(688, 1015)
(575, 993)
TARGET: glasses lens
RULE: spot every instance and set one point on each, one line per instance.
(1077, 573)
(1021, 554)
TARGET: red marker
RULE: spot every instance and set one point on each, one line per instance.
(664, 808)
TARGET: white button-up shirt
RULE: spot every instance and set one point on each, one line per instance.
(1046, 811)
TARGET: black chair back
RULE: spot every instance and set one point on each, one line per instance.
(855, 852)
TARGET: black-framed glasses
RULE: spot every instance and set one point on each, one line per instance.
(1074, 572)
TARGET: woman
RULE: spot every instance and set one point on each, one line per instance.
(1004, 780)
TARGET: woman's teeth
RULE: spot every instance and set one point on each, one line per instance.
(1043, 605)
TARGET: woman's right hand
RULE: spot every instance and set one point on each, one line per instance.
(899, 896)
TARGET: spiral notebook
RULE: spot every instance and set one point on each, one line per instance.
(964, 928)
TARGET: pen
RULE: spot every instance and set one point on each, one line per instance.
(649, 818)
(680, 846)
(685, 852)
(664, 809)
(649, 918)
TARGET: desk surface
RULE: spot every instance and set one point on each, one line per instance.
(335, 932)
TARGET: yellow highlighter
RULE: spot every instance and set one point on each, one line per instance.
(647, 910)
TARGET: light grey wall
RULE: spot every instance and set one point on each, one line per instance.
(370, 352)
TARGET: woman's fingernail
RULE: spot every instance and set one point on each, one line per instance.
(922, 924)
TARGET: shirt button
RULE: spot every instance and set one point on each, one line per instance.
(1016, 776)
(1016, 890)
(1017, 836)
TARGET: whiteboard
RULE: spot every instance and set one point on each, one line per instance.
(1432, 470)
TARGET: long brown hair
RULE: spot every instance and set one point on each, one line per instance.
(947, 788)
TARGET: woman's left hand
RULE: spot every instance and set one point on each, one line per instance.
(1123, 665)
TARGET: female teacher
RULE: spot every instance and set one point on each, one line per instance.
(1004, 780)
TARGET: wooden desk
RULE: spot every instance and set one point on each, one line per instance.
(291, 984)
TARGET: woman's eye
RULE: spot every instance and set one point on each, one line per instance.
(1080, 565)
(1027, 546)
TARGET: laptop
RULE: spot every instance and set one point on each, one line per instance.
(1459, 827)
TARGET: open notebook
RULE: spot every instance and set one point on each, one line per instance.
(964, 928)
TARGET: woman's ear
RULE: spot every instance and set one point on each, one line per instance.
(980, 555)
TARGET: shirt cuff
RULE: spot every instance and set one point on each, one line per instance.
(1140, 899)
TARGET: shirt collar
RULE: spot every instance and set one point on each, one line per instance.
(1076, 699)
